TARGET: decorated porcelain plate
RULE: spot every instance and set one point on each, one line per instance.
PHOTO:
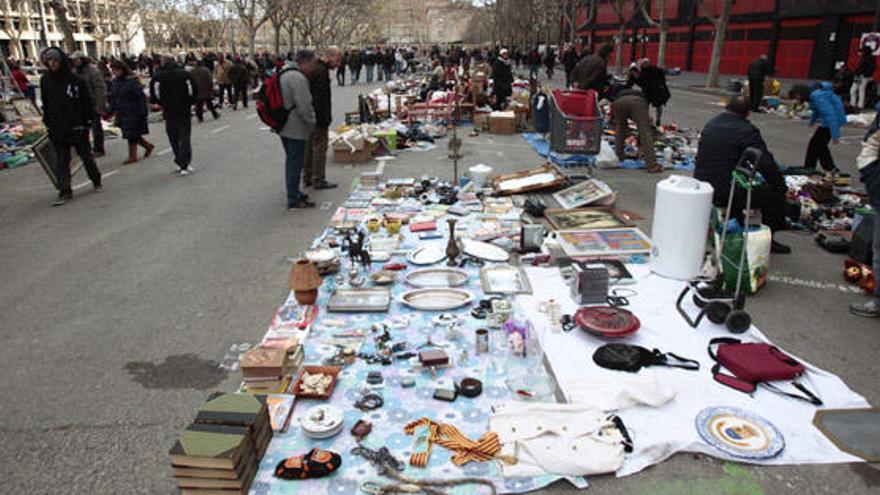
(739, 433)
(484, 250)
(437, 277)
(322, 421)
(436, 299)
(426, 255)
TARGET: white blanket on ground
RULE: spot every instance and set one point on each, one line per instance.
(659, 432)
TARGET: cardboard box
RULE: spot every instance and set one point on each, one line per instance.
(481, 120)
(502, 123)
(360, 156)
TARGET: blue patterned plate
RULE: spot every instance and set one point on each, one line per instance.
(739, 433)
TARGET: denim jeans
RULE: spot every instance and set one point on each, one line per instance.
(294, 154)
(533, 71)
(369, 73)
(870, 176)
(179, 130)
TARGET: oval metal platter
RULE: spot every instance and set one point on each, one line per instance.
(437, 277)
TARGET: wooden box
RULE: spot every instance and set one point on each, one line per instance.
(502, 123)
(347, 156)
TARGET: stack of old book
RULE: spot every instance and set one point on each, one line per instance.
(268, 370)
(218, 454)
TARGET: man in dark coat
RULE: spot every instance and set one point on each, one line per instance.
(204, 89)
(758, 71)
(502, 78)
(569, 62)
(592, 71)
(355, 62)
(652, 80)
(239, 78)
(173, 89)
(722, 142)
(68, 114)
(317, 72)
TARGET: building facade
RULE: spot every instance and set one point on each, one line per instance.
(100, 27)
(803, 38)
(424, 21)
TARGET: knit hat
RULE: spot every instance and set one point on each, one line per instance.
(78, 54)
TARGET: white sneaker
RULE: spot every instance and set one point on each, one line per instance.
(185, 171)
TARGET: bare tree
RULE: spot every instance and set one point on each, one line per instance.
(278, 18)
(570, 14)
(720, 21)
(253, 14)
(12, 11)
(64, 24)
(659, 23)
(618, 6)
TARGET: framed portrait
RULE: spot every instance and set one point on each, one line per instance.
(595, 218)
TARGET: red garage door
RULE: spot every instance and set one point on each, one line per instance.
(794, 50)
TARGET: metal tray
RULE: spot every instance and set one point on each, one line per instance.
(359, 300)
(436, 299)
(437, 277)
(505, 280)
(484, 250)
(426, 255)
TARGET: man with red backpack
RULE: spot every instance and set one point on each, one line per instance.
(295, 129)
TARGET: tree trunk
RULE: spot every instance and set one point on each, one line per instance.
(252, 41)
(277, 29)
(621, 34)
(718, 44)
(63, 23)
(661, 49)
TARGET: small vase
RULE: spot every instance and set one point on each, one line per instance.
(452, 250)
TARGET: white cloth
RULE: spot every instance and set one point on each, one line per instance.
(659, 432)
(560, 439)
(626, 391)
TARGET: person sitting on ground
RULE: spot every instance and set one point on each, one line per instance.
(592, 71)
(722, 142)
(868, 162)
(631, 104)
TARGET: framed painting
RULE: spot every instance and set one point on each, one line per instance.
(585, 218)
(44, 151)
(583, 193)
(611, 242)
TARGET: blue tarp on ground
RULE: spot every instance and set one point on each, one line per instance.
(542, 147)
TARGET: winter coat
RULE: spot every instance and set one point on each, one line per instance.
(128, 102)
(759, 69)
(238, 74)
(354, 60)
(174, 90)
(204, 82)
(570, 60)
(502, 77)
(67, 105)
(652, 80)
(867, 66)
(590, 73)
(827, 109)
(296, 95)
(221, 72)
(722, 142)
(96, 84)
(319, 86)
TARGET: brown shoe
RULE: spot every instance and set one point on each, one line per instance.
(149, 149)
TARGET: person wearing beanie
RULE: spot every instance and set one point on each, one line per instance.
(67, 113)
(98, 91)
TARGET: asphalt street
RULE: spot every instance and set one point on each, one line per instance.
(119, 310)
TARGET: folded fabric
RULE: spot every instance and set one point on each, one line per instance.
(557, 439)
(620, 393)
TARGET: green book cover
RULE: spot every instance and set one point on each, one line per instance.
(220, 443)
(233, 409)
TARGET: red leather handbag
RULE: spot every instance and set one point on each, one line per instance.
(755, 363)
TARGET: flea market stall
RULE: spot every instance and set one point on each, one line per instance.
(447, 338)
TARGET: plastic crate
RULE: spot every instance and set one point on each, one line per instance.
(575, 122)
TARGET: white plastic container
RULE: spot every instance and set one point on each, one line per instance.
(682, 210)
(480, 174)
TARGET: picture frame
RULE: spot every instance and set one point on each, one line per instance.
(583, 193)
(590, 218)
(503, 279)
(598, 243)
(545, 176)
(44, 151)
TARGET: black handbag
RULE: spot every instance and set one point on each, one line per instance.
(632, 358)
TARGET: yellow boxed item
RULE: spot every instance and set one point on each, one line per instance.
(502, 123)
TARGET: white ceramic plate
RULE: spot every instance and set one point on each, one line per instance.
(426, 255)
(484, 250)
(320, 255)
(322, 421)
(437, 299)
(437, 277)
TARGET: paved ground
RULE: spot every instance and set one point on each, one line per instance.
(118, 307)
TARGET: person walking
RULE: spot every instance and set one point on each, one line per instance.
(221, 75)
(534, 60)
(592, 71)
(388, 63)
(67, 113)
(355, 62)
(549, 62)
(827, 110)
(239, 78)
(173, 89)
(369, 64)
(296, 132)
(864, 75)
(318, 74)
(631, 104)
(204, 89)
(128, 103)
(757, 73)
(868, 163)
(98, 92)
(340, 70)
(569, 62)
(502, 79)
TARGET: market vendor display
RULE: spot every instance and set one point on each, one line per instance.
(722, 142)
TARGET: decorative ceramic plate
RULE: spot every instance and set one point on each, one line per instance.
(484, 250)
(437, 277)
(436, 299)
(426, 255)
(322, 421)
(739, 433)
(607, 321)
